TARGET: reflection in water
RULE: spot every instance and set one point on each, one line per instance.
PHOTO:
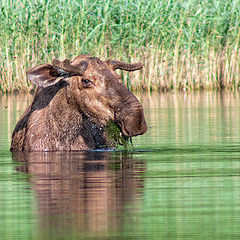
(188, 119)
(82, 192)
(181, 182)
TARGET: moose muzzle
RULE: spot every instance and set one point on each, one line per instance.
(130, 118)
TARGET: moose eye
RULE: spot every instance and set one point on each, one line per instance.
(86, 82)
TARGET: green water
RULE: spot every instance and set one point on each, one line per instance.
(182, 180)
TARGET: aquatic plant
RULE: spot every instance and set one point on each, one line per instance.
(116, 137)
(183, 44)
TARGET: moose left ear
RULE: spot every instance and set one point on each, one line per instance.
(44, 75)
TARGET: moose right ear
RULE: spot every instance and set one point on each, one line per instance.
(44, 75)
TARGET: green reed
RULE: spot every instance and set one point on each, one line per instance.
(183, 44)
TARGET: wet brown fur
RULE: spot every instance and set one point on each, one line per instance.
(68, 114)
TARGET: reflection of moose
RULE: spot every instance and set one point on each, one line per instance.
(73, 104)
(83, 191)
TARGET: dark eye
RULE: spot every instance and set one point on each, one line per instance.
(86, 82)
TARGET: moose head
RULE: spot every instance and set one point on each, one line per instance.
(73, 104)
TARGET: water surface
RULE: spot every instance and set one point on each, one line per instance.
(181, 181)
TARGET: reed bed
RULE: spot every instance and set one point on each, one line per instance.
(183, 44)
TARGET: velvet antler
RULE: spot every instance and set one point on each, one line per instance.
(125, 66)
(66, 66)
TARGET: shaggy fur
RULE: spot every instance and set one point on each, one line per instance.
(72, 105)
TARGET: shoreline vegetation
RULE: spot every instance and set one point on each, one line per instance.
(183, 45)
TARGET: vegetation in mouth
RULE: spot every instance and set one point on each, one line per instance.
(116, 137)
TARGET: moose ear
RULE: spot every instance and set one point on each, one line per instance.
(45, 75)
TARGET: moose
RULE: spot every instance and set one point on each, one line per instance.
(73, 103)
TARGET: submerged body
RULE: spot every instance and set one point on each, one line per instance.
(73, 104)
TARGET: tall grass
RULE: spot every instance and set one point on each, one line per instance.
(183, 44)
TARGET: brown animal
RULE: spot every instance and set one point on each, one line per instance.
(74, 102)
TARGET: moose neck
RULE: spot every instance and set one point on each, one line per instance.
(72, 127)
